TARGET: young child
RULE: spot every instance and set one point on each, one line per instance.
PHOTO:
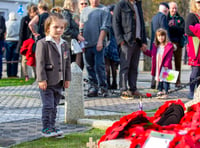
(161, 53)
(53, 71)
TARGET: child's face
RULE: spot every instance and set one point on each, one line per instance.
(161, 38)
(56, 28)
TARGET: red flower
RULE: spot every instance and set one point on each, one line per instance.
(148, 95)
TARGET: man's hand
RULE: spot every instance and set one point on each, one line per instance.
(80, 38)
(99, 45)
(43, 85)
(66, 85)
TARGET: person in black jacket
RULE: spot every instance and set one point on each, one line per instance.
(129, 29)
(25, 33)
(176, 34)
(2, 38)
(72, 29)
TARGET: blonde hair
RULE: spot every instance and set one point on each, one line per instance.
(71, 5)
(161, 32)
(53, 17)
(43, 5)
(193, 7)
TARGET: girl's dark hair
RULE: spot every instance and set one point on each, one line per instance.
(52, 17)
(161, 32)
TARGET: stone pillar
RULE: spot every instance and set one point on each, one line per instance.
(74, 104)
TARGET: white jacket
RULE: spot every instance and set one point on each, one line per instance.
(12, 29)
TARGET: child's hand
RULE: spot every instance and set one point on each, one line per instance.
(43, 85)
(175, 47)
(67, 84)
(144, 47)
(166, 68)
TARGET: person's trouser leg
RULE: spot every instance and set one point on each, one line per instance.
(89, 62)
(79, 60)
(15, 57)
(9, 58)
(114, 74)
(100, 68)
(1, 64)
(166, 86)
(24, 66)
(133, 68)
(193, 75)
(160, 86)
(177, 62)
(107, 65)
(57, 96)
(47, 97)
(125, 59)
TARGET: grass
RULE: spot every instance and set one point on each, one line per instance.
(75, 140)
(15, 82)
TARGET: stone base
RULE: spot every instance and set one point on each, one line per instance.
(118, 143)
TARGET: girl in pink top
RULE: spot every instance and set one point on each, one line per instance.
(161, 53)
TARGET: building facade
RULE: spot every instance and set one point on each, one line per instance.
(18, 6)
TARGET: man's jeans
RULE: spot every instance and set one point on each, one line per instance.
(95, 66)
(12, 55)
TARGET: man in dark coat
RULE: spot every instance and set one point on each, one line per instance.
(158, 21)
(176, 34)
(129, 29)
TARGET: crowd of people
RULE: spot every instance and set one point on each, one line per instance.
(113, 36)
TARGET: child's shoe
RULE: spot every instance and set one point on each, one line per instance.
(48, 133)
(160, 93)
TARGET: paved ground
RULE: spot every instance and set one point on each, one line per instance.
(20, 109)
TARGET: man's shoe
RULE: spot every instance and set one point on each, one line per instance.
(103, 92)
(92, 92)
(126, 95)
(137, 93)
(57, 132)
(48, 133)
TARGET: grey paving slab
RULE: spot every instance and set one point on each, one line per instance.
(20, 109)
(19, 131)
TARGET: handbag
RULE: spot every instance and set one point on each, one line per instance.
(75, 47)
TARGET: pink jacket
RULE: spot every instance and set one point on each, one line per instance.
(193, 59)
(166, 60)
